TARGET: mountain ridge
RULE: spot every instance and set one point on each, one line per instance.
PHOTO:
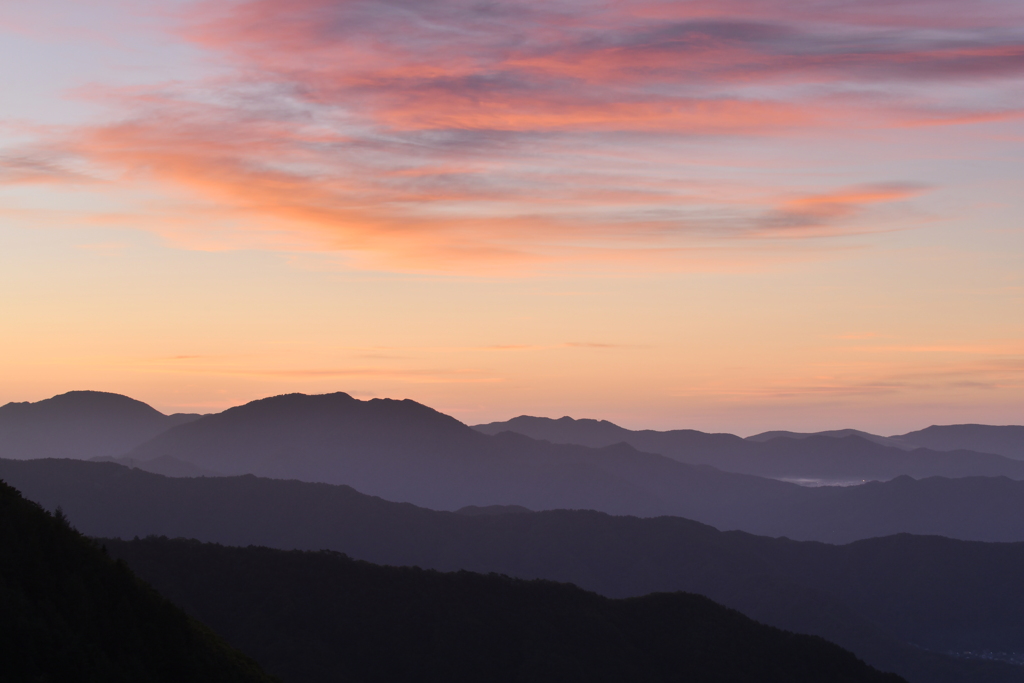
(800, 586)
(836, 455)
(405, 451)
(1005, 440)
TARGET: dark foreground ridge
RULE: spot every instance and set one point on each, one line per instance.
(70, 613)
(320, 616)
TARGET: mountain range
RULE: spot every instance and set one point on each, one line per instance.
(317, 456)
(97, 425)
(404, 451)
(902, 603)
(1005, 440)
(74, 611)
(838, 456)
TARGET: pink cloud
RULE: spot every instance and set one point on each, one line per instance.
(826, 210)
(507, 46)
(34, 168)
(449, 134)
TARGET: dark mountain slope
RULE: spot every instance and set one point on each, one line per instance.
(825, 590)
(1007, 440)
(840, 455)
(70, 613)
(313, 616)
(80, 424)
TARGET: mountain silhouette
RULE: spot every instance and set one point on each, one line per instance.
(405, 451)
(853, 457)
(1007, 440)
(316, 617)
(898, 602)
(80, 424)
(71, 613)
(98, 425)
(600, 433)
(845, 455)
(987, 509)
(834, 433)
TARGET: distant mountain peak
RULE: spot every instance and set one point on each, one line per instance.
(336, 403)
(831, 434)
(1005, 440)
(79, 424)
(296, 397)
(83, 401)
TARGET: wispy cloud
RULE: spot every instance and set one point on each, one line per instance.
(994, 368)
(406, 375)
(548, 347)
(831, 209)
(35, 168)
(452, 135)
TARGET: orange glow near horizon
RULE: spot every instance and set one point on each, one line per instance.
(738, 215)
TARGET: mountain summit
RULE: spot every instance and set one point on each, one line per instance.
(80, 424)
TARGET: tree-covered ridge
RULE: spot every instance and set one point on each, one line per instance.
(321, 616)
(68, 612)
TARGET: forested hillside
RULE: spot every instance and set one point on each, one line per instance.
(321, 617)
(68, 612)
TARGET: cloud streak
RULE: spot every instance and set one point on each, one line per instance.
(453, 135)
(30, 167)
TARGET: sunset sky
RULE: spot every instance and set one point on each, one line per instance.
(734, 216)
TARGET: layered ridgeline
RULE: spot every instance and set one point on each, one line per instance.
(971, 508)
(845, 455)
(298, 434)
(1005, 440)
(405, 451)
(68, 612)
(80, 424)
(322, 617)
(898, 602)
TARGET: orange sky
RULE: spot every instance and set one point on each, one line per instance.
(725, 216)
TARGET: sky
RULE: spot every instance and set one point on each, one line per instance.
(736, 216)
